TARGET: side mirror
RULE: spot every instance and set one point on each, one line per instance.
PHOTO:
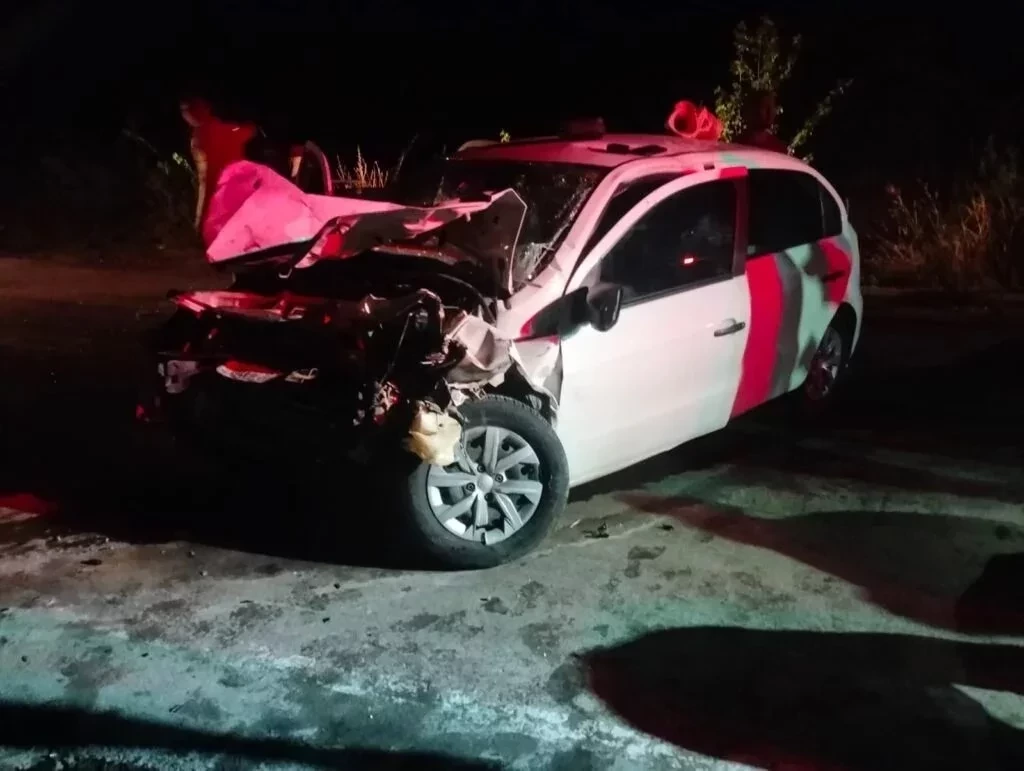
(604, 302)
(597, 306)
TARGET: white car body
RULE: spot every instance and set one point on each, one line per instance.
(681, 363)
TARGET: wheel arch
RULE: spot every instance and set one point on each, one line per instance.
(516, 386)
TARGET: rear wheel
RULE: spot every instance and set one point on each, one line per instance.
(824, 376)
(499, 499)
(826, 366)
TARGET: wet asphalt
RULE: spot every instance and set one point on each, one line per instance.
(847, 597)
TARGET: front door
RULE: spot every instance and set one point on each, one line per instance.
(668, 370)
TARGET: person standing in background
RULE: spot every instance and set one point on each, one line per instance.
(215, 144)
(759, 113)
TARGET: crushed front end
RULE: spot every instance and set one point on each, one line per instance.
(351, 325)
(268, 372)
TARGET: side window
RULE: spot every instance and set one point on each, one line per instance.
(686, 239)
(624, 199)
(785, 211)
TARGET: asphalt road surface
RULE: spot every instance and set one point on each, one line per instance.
(848, 598)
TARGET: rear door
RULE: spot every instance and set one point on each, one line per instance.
(797, 272)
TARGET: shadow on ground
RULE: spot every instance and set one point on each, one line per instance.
(994, 602)
(70, 441)
(958, 573)
(811, 700)
(789, 467)
(67, 729)
(958, 403)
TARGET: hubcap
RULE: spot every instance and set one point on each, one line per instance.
(825, 366)
(491, 490)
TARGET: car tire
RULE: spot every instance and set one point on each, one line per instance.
(812, 401)
(426, 493)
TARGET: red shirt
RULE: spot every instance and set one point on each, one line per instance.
(215, 145)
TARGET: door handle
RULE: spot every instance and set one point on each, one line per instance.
(730, 327)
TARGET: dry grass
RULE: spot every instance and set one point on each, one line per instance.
(969, 238)
(361, 175)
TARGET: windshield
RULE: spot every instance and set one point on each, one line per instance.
(554, 193)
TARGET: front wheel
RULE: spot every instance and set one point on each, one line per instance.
(499, 499)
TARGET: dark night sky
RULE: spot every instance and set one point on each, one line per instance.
(378, 72)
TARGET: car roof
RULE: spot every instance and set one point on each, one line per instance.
(611, 150)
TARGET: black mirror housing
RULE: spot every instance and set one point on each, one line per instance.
(604, 303)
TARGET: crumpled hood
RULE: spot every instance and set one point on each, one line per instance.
(253, 208)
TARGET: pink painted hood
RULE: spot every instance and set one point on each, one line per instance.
(253, 208)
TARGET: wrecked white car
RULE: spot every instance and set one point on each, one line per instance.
(553, 311)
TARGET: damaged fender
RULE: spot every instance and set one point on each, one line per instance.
(490, 356)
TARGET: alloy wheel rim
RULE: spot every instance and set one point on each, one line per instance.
(493, 488)
(825, 366)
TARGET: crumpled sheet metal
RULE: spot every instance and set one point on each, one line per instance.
(488, 354)
(254, 208)
(434, 435)
(488, 358)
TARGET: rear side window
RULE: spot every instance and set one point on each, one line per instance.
(788, 209)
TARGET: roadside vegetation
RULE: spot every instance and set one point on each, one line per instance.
(119, 195)
(967, 237)
(763, 61)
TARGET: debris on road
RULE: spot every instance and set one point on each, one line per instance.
(494, 605)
